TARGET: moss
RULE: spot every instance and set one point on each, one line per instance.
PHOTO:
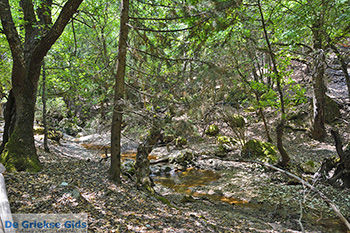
(180, 141)
(236, 121)
(213, 130)
(225, 143)
(264, 151)
(18, 157)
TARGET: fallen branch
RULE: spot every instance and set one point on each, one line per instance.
(324, 197)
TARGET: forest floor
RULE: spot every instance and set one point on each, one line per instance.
(226, 196)
(214, 195)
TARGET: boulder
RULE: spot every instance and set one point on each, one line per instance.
(184, 157)
(264, 151)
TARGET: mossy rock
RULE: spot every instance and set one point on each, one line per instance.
(309, 167)
(128, 167)
(225, 144)
(264, 151)
(332, 110)
(213, 130)
(236, 121)
(180, 142)
(183, 158)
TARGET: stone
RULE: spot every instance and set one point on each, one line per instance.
(264, 151)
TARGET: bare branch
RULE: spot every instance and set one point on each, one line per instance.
(167, 18)
(172, 59)
(163, 31)
(157, 5)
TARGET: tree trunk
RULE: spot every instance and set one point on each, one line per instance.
(43, 98)
(119, 94)
(9, 116)
(142, 162)
(319, 96)
(40, 34)
(279, 134)
(279, 129)
(19, 152)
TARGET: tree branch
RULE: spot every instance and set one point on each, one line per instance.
(29, 18)
(164, 31)
(54, 33)
(165, 19)
(9, 29)
(44, 12)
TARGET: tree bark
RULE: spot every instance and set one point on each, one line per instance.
(143, 178)
(119, 94)
(43, 98)
(319, 96)
(19, 152)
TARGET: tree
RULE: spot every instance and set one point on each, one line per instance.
(18, 151)
(119, 94)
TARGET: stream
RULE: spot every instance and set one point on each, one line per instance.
(185, 182)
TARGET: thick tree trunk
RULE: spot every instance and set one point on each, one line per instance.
(119, 94)
(319, 96)
(40, 34)
(20, 153)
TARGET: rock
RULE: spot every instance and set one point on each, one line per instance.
(64, 183)
(128, 166)
(264, 151)
(213, 130)
(69, 127)
(235, 121)
(183, 158)
(225, 143)
(309, 167)
(180, 142)
(332, 110)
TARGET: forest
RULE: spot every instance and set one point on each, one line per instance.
(176, 115)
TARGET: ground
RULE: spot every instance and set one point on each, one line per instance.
(215, 194)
